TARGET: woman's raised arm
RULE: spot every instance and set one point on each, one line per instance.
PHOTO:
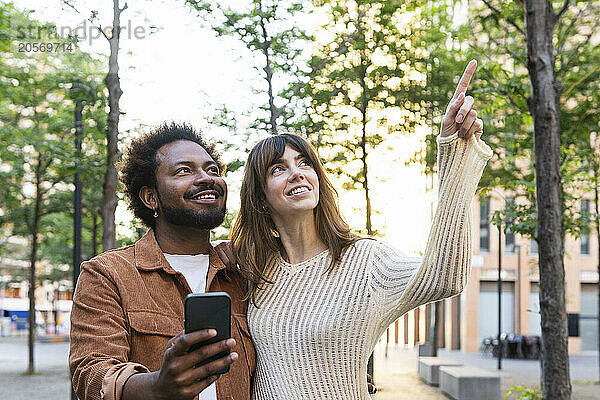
(403, 283)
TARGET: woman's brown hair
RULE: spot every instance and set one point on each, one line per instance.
(253, 234)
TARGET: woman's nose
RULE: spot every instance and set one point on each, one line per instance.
(295, 174)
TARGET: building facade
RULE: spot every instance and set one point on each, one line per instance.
(465, 320)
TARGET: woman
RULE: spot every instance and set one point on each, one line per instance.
(321, 296)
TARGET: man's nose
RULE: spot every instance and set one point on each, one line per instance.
(202, 178)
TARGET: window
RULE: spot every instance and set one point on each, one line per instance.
(509, 236)
(484, 224)
(533, 246)
(488, 309)
(585, 238)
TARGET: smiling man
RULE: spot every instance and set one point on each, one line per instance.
(128, 310)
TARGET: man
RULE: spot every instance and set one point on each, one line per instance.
(127, 318)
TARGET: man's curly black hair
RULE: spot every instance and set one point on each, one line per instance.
(139, 164)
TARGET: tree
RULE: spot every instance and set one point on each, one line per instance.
(552, 36)
(363, 85)
(269, 30)
(522, 87)
(540, 21)
(113, 155)
(37, 153)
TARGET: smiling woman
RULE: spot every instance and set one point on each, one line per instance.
(321, 296)
(292, 186)
(276, 167)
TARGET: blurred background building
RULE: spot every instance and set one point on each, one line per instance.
(466, 320)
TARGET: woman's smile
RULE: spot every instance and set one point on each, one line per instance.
(292, 185)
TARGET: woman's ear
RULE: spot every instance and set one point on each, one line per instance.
(148, 197)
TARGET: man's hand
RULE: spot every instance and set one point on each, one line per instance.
(177, 377)
(460, 115)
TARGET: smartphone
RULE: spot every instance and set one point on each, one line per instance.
(209, 311)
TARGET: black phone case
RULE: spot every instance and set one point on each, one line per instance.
(209, 311)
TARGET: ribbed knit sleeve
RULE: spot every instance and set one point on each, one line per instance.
(403, 283)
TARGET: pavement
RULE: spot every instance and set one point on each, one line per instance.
(395, 375)
(51, 379)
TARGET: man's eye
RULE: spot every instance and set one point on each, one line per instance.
(214, 170)
(184, 169)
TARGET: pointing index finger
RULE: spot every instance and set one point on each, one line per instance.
(463, 84)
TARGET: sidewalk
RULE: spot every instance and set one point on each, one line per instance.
(396, 376)
(51, 380)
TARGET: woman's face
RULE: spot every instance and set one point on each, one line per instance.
(292, 185)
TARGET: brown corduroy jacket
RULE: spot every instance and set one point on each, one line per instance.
(128, 304)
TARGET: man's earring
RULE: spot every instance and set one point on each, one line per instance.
(155, 214)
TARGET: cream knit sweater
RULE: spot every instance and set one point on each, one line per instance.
(314, 331)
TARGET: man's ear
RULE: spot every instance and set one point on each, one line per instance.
(149, 197)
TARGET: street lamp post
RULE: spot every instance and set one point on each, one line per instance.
(499, 295)
(518, 289)
(77, 193)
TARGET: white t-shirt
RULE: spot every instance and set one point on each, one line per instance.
(194, 269)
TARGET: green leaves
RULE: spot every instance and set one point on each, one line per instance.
(38, 157)
(268, 29)
(503, 89)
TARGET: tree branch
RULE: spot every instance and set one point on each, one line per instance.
(93, 20)
(563, 39)
(71, 6)
(564, 8)
(571, 56)
(583, 78)
(508, 19)
(515, 56)
(499, 86)
(488, 72)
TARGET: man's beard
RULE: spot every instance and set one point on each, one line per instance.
(205, 219)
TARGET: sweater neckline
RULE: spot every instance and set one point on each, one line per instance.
(292, 268)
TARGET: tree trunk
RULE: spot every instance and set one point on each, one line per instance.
(544, 106)
(364, 105)
(363, 145)
(268, 71)
(111, 180)
(35, 227)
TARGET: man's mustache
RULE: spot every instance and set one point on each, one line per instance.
(192, 193)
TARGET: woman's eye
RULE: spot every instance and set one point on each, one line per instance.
(276, 169)
(304, 163)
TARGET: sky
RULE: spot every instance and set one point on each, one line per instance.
(182, 72)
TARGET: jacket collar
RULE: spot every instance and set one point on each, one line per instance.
(149, 257)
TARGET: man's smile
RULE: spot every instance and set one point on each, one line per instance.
(205, 195)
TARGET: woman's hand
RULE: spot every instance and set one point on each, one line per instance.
(460, 115)
(225, 253)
